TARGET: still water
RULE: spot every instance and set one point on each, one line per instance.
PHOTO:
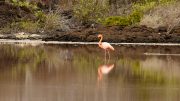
(50, 72)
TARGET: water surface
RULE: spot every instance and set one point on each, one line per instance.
(63, 72)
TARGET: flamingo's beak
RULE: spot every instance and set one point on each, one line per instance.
(99, 36)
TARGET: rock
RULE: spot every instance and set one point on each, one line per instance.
(161, 29)
(35, 36)
(21, 35)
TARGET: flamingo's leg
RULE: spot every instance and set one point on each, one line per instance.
(105, 57)
(109, 55)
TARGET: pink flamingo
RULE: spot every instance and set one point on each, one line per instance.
(104, 45)
(104, 70)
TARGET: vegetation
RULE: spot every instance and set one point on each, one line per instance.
(163, 15)
(152, 13)
(89, 10)
(52, 21)
(133, 18)
(36, 20)
(137, 13)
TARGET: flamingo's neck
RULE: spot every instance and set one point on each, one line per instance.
(100, 41)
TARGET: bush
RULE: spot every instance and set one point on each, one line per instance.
(49, 22)
(24, 4)
(163, 15)
(40, 16)
(144, 7)
(89, 10)
(133, 18)
(137, 13)
(52, 21)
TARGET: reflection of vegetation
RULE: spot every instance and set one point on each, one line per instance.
(21, 58)
(15, 61)
(86, 63)
(140, 74)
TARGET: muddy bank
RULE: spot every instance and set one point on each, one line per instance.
(10, 13)
(115, 34)
(118, 34)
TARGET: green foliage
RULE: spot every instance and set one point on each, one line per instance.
(150, 4)
(89, 10)
(164, 2)
(32, 7)
(41, 16)
(24, 4)
(133, 18)
(138, 11)
(144, 7)
(47, 22)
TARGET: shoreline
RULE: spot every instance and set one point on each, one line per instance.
(111, 34)
(27, 41)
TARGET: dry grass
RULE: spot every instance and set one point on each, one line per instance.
(29, 26)
(164, 15)
(52, 21)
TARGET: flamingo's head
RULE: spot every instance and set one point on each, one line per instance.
(99, 35)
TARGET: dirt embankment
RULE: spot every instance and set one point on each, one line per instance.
(118, 34)
(10, 13)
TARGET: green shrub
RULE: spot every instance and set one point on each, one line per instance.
(41, 16)
(133, 18)
(32, 7)
(89, 10)
(137, 13)
(24, 4)
(144, 7)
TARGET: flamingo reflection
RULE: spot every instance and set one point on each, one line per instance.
(104, 70)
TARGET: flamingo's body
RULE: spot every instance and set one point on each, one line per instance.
(105, 45)
(104, 70)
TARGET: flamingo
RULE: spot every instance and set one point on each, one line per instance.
(105, 45)
(104, 70)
